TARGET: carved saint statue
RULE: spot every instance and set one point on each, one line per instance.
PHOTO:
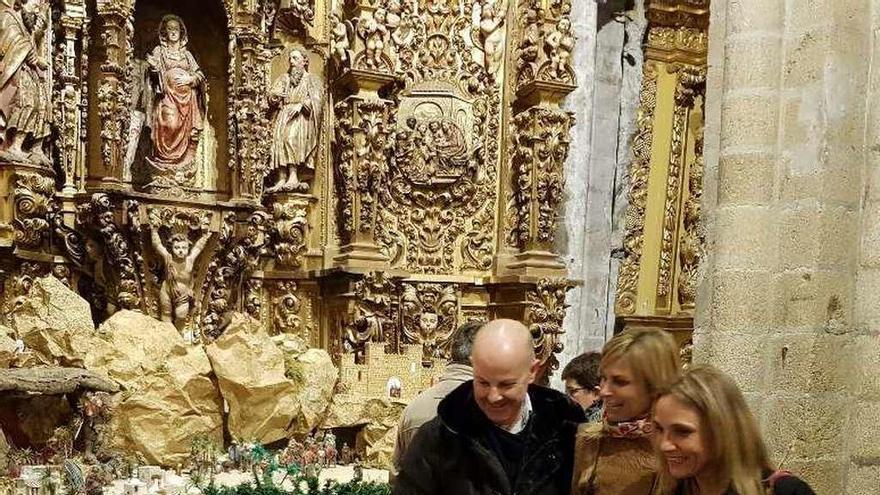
(176, 116)
(25, 107)
(559, 44)
(296, 125)
(176, 292)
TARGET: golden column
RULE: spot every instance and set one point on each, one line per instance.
(664, 238)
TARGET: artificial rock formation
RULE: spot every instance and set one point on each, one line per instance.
(54, 322)
(377, 419)
(168, 408)
(251, 372)
(7, 348)
(319, 377)
(130, 345)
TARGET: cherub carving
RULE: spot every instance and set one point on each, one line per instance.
(176, 293)
(373, 30)
(491, 34)
(558, 45)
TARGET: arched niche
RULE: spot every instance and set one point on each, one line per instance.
(208, 35)
(228, 40)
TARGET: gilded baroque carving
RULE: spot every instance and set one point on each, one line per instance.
(361, 162)
(544, 315)
(634, 222)
(429, 312)
(236, 257)
(253, 298)
(541, 140)
(690, 81)
(290, 229)
(114, 83)
(286, 318)
(370, 318)
(33, 199)
(98, 214)
(692, 242)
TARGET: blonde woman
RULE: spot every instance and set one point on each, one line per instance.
(708, 442)
(616, 457)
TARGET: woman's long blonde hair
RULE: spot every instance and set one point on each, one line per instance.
(737, 451)
(651, 354)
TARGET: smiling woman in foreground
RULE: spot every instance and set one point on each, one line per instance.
(708, 442)
(615, 457)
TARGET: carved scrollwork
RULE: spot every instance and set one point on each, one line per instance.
(542, 141)
(98, 213)
(286, 318)
(253, 298)
(544, 316)
(690, 83)
(290, 229)
(237, 256)
(32, 199)
(429, 312)
(634, 221)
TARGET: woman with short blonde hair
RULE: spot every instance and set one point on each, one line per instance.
(708, 443)
(615, 457)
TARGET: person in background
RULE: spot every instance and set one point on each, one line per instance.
(615, 456)
(424, 407)
(498, 434)
(581, 377)
(708, 442)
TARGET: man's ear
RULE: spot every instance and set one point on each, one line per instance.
(533, 370)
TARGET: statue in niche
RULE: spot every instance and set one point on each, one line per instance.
(340, 42)
(296, 126)
(559, 44)
(176, 116)
(176, 293)
(491, 34)
(25, 106)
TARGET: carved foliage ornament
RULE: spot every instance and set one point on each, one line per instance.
(541, 146)
(287, 308)
(99, 214)
(290, 228)
(634, 221)
(690, 82)
(33, 200)
(361, 165)
(546, 310)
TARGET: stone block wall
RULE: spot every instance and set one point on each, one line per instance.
(789, 303)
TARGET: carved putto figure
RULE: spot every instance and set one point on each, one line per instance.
(373, 30)
(176, 120)
(25, 107)
(176, 293)
(559, 44)
(340, 43)
(297, 124)
(491, 34)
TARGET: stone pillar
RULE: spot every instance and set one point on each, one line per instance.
(788, 302)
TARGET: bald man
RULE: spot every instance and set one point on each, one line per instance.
(498, 433)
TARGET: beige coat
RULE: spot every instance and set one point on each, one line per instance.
(424, 407)
(623, 466)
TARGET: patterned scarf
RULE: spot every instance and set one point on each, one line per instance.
(637, 428)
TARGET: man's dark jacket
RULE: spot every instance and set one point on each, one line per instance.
(451, 455)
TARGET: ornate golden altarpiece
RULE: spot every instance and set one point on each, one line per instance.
(355, 172)
(664, 238)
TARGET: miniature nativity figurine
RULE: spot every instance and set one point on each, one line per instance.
(25, 104)
(176, 117)
(296, 125)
